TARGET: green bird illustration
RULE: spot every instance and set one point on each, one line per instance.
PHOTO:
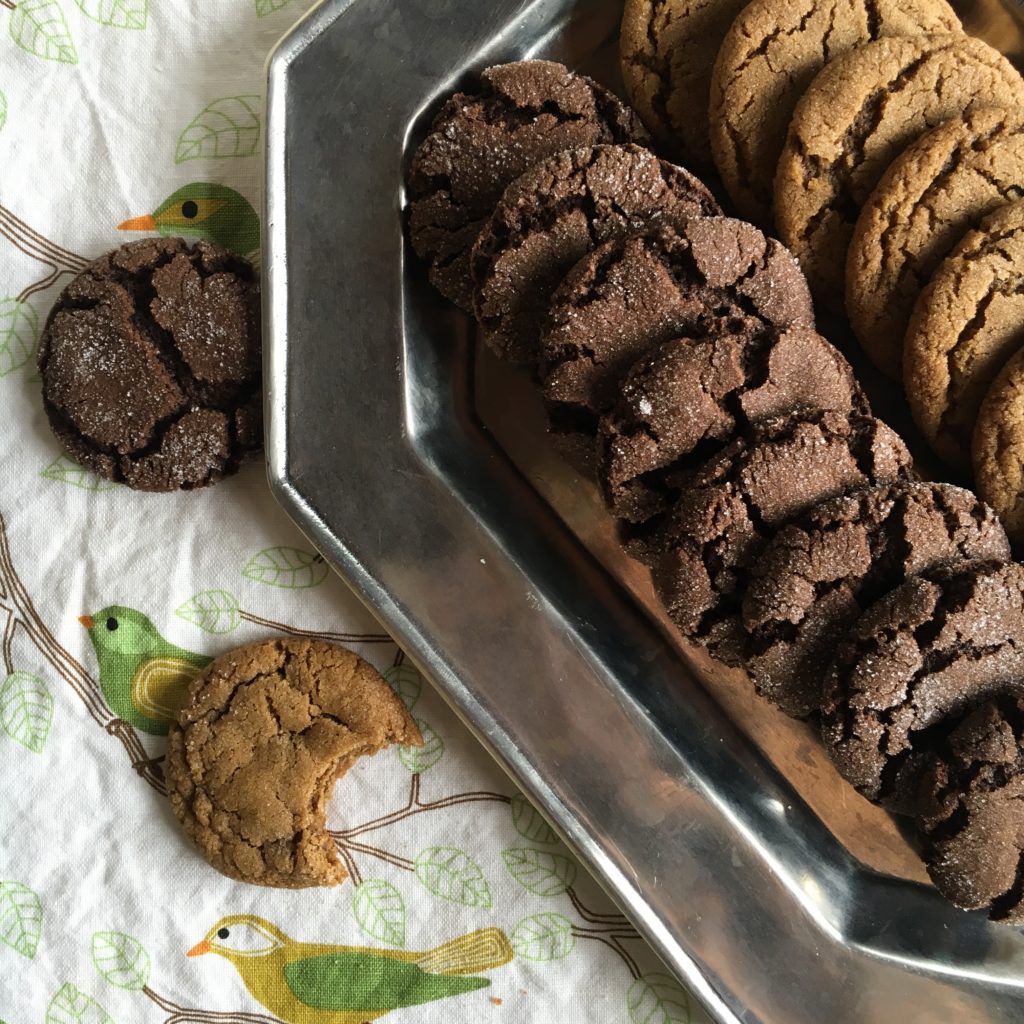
(204, 210)
(142, 675)
(318, 983)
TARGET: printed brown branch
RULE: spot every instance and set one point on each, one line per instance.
(38, 247)
(592, 916)
(343, 638)
(184, 1015)
(9, 4)
(21, 613)
(613, 942)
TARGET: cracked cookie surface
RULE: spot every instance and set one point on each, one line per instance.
(818, 574)
(263, 735)
(916, 661)
(150, 361)
(480, 142)
(688, 397)
(967, 323)
(555, 214)
(941, 186)
(857, 115)
(767, 60)
(706, 549)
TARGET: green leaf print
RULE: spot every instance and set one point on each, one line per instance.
(453, 875)
(543, 937)
(657, 999)
(19, 329)
(380, 911)
(3, 110)
(229, 126)
(540, 872)
(529, 823)
(419, 759)
(38, 26)
(116, 13)
(121, 960)
(26, 710)
(406, 682)
(265, 7)
(21, 918)
(67, 471)
(213, 611)
(69, 1006)
(285, 567)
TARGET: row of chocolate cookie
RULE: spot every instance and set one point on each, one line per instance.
(664, 343)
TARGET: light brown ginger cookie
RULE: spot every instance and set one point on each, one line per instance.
(768, 58)
(944, 184)
(264, 734)
(967, 323)
(855, 118)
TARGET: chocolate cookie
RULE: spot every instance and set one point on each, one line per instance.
(629, 296)
(943, 185)
(769, 57)
(857, 115)
(973, 827)
(264, 734)
(818, 574)
(151, 369)
(688, 398)
(667, 49)
(998, 447)
(733, 506)
(481, 142)
(553, 215)
(967, 323)
(915, 661)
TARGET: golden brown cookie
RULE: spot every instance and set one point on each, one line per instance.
(667, 49)
(264, 734)
(998, 447)
(855, 118)
(768, 58)
(945, 183)
(967, 323)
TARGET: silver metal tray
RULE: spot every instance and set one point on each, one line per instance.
(419, 467)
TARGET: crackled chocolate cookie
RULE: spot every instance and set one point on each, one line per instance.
(150, 361)
(733, 506)
(667, 49)
(916, 660)
(553, 215)
(689, 397)
(818, 574)
(264, 734)
(768, 58)
(481, 142)
(972, 821)
(944, 184)
(629, 296)
(967, 323)
(857, 115)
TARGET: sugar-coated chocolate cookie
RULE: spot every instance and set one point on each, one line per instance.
(667, 49)
(150, 361)
(631, 295)
(689, 397)
(733, 506)
(819, 573)
(769, 57)
(943, 185)
(264, 734)
(972, 821)
(855, 118)
(967, 323)
(552, 216)
(913, 663)
(480, 142)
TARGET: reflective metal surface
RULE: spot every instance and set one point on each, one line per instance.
(421, 473)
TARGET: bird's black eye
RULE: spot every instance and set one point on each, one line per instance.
(111, 623)
(223, 933)
(189, 209)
